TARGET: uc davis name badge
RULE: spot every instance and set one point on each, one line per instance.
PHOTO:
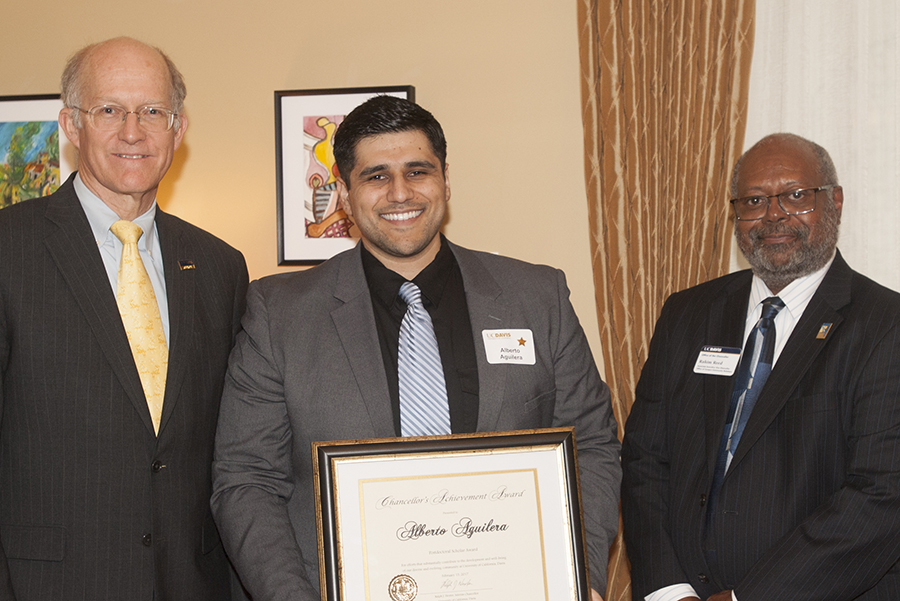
(509, 346)
(717, 360)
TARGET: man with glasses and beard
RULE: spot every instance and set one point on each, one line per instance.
(761, 455)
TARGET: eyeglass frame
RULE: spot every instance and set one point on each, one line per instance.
(769, 198)
(169, 112)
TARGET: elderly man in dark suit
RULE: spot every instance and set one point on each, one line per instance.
(768, 469)
(321, 353)
(112, 356)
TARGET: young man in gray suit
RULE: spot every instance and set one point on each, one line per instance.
(318, 359)
(107, 435)
(787, 489)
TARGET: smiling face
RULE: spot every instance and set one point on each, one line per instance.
(780, 247)
(123, 167)
(397, 195)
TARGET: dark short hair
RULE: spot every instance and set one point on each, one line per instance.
(384, 115)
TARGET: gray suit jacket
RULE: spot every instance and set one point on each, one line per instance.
(93, 506)
(307, 367)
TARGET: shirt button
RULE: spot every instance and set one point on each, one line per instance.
(147, 540)
(703, 577)
(156, 466)
(702, 500)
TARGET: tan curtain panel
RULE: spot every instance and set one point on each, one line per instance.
(664, 100)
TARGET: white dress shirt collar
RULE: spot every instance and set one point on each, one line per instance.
(796, 297)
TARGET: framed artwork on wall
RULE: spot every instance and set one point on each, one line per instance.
(35, 156)
(312, 227)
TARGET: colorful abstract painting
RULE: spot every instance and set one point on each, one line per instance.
(325, 218)
(29, 160)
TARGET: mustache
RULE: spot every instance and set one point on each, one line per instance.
(403, 207)
(768, 229)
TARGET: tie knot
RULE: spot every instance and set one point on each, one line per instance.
(771, 307)
(410, 294)
(127, 231)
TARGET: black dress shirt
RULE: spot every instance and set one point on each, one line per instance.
(444, 297)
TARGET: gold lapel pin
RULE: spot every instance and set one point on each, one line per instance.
(823, 331)
(190, 265)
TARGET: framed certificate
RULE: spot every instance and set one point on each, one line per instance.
(451, 518)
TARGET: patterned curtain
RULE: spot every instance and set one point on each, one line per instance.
(664, 100)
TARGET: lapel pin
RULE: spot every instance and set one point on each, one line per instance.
(823, 331)
(190, 265)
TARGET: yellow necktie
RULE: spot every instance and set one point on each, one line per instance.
(140, 316)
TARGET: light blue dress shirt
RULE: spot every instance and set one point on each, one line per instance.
(100, 216)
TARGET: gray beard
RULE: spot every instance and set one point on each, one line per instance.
(811, 253)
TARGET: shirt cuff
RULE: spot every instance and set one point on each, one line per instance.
(674, 592)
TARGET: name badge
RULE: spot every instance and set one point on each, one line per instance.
(717, 360)
(509, 346)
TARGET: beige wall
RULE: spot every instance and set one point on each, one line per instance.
(500, 75)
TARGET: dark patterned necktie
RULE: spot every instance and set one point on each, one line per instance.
(752, 373)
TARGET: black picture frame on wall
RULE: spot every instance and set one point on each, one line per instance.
(311, 225)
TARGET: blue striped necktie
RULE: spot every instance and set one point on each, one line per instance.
(423, 393)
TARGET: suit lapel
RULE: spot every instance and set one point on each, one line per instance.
(800, 352)
(74, 250)
(354, 320)
(180, 298)
(726, 328)
(486, 312)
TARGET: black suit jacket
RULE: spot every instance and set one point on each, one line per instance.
(810, 508)
(93, 506)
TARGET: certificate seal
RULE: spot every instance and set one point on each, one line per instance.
(403, 588)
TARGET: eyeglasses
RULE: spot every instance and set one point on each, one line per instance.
(109, 117)
(792, 202)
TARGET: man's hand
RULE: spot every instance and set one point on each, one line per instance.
(723, 596)
(595, 596)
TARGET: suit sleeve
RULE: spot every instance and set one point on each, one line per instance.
(645, 483)
(6, 590)
(252, 469)
(583, 401)
(850, 541)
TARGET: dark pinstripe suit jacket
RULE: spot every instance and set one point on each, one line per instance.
(810, 508)
(93, 506)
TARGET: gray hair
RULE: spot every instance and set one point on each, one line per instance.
(824, 164)
(72, 81)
